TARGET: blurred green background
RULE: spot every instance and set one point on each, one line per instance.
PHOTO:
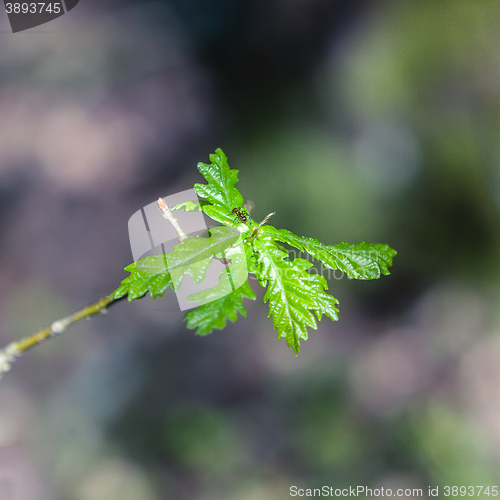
(353, 120)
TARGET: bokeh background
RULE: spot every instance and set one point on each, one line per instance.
(354, 120)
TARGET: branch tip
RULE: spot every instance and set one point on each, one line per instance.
(162, 204)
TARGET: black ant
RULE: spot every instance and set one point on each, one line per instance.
(241, 214)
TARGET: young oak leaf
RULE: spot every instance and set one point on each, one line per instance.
(230, 278)
(214, 315)
(221, 215)
(155, 273)
(364, 261)
(187, 206)
(193, 255)
(151, 276)
(220, 190)
(293, 294)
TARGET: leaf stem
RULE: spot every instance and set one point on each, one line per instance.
(17, 348)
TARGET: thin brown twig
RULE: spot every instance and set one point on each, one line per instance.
(17, 348)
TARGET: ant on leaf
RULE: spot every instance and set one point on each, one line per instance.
(240, 214)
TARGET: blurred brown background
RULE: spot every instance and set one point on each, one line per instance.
(374, 121)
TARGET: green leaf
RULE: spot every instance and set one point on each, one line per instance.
(151, 276)
(220, 190)
(215, 314)
(193, 255)
(364, 261)
(230, 279)
(293, 294)
(219, 214)
(155, 273)
(187, 206)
